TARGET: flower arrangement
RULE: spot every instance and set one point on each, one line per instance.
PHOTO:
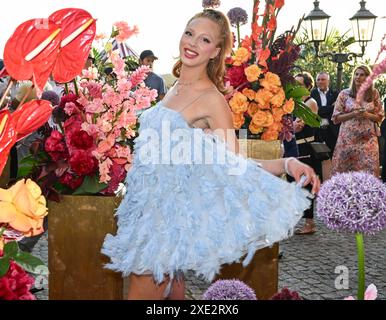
(263, 92)
(354, 202)
(22, 210)
(229, 290)
(90, 151)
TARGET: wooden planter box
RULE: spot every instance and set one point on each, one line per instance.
(77, 228)
(262, 274)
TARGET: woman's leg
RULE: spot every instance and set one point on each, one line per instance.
(143, 287)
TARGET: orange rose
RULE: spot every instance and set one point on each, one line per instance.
(238, 120)
(249, 93)
(262, 118)
(255, 129)
(238, 103)
(289, 106)
(270, 135)
(241, 55)
(271, 82)
(278, 114)
(253, 108)
(263, 97)
(252, 72)
(276, 126)
(278, 98)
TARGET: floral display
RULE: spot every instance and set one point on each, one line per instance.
(90, 150)
(258, 74)
(229, 290)
(354, 202)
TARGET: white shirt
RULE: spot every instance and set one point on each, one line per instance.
(323, 97)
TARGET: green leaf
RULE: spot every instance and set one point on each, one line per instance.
(28, 262)
(303, 112)
(11, 249)
(24, 171)
(4, 266)
(90, 185)
(296, 92)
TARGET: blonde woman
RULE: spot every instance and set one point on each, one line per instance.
(193, 214)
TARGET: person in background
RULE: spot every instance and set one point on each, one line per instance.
(304, 135)
(153, 80)
(357, 148)
(325, 98)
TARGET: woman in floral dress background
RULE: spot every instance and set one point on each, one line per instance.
(357, 146)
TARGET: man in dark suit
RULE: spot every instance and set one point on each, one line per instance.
(325, 97)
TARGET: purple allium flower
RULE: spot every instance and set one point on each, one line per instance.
(51, 96)
(353, 202)
(229, 290)
(237, 16)
(211, 3)
(286, 294)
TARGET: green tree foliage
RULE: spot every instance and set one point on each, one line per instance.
(335, 42)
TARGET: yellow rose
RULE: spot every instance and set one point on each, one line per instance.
(278, 114)
(249, 93)
(252, 72)
(23, 207)
(262, 118)
(238, 103)
(263, 97)
(289, 106)
(271, 82)
(270, 135)
(241, 55)
(238, 120)
(278, 98)
(253, 108)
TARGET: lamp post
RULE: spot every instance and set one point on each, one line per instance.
(363, 28)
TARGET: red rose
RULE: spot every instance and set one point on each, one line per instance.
(117, 174)
(16, 284)
(56, 147)
(83, 163)
(71, 181)
(71, 97)
(236, 76)
(80, 140)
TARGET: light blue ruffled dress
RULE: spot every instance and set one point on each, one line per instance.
(190, 215)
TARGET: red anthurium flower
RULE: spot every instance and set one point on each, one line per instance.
(31, 116)
(78, 31)
(7, 137)
(31, 51)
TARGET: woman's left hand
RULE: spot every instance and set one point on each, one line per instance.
(299, 169)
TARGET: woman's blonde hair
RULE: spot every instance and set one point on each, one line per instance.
(368, 96)
(216, 66)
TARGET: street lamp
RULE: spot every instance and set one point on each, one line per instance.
(363, 28)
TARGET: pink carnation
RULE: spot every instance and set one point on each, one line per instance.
(139, 75)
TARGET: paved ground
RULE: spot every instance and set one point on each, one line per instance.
(308, 265)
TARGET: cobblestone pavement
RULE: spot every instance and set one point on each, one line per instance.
(308, 265)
